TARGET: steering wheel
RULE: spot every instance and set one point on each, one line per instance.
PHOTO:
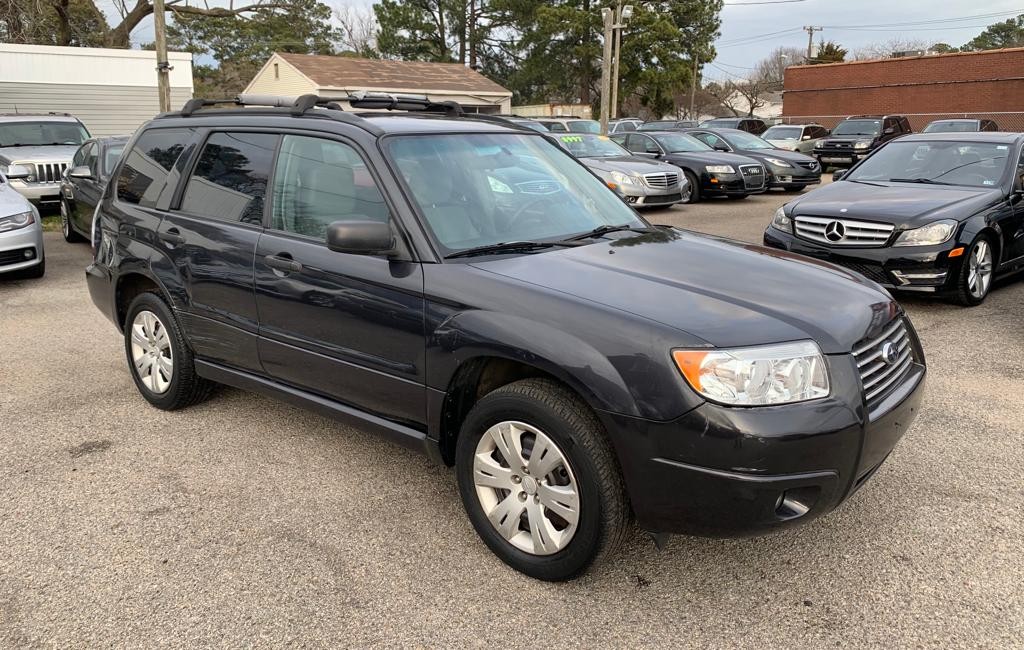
(518, 215)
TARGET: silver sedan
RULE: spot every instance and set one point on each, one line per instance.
(21, 234)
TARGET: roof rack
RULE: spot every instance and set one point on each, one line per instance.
(304, 103)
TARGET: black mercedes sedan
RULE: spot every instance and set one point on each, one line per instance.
(938, 213)
(709, 172)
(787, 170)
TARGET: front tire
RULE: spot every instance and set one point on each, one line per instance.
(160, 360)
(694, 190)
(539, 481)
(976, 272)
(66, 228)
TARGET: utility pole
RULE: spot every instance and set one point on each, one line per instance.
(606, 67)
(163, 69)
(616, 55)
(693, 87)
(810, 40)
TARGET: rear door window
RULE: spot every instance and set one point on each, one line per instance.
(229, 182)
(143, 176)
(318, 182)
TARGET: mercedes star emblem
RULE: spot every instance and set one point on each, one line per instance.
(889, 352)
(835, 231)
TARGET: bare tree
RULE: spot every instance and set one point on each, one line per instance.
(358, 26)
(119, 34)
(771, 69)
(885, 49)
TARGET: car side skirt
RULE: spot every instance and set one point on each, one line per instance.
(400, 434)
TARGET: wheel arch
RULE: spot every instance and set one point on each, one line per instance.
(129, 285)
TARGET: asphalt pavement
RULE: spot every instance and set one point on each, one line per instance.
(246, 522)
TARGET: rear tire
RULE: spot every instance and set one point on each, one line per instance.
(159, 358)
(977, 272)
(694, 196)
(66, 228)
(575, 474)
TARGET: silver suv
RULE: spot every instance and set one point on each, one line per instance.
(35, 150)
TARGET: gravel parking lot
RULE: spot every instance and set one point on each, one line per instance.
(246, 521)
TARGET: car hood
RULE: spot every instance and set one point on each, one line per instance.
(781, 154)
(726, 293)
(629, 164)
(905, 205)
(55, 153)
(11, 202)
(785, 145)
(710, 158)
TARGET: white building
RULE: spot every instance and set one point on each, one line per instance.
(300, 74)
(111, 91)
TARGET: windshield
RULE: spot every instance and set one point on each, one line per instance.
(858, 127)
(657, 126)
(480, 189)
(584, 126)
(530, 124)
(976, 164)
(952, 127)
(723, 124)
(30, 134)
(112, 155)
(743, 140)
(782, 133)
(591, 146)
(672, 142)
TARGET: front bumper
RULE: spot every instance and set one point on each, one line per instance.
(792, 177)
(641, 195)
(734, 472)
(927, 269)
(840, 157)
(21, 248)
(41, 194)
(729, 185)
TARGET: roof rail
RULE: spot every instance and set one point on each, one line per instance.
(303, 103)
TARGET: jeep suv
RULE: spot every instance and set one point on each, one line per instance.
(467, 289)
(34, 152)
(857, 136)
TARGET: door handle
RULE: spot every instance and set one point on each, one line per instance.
(172, 236)
(281, 263)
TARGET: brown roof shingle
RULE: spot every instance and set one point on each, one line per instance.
(354, 74)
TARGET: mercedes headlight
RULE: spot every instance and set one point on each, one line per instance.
(781, 221)
(930, 235)
(761, 376)
(778, 162)
(720, 169)
(862, 144)
(623, 179)
(16, 221)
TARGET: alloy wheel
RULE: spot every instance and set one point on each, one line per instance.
(152, 356)
(687, 193)
(526, 488)
(979, 269)
(65, 221)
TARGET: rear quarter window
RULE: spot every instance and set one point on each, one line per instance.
(143, 176)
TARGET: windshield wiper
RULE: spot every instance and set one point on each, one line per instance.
(864, 182)
(508, 247)
(604, 230)
(926, 181)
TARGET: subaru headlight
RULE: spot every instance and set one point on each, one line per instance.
(930, 235)
(781, 221)
(623, 179)
(778, 162)
(16, 221)
(760, 376)
(720, 169)
(862, 144)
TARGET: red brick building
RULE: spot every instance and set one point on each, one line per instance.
(964, 84)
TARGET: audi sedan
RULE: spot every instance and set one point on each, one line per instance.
(936, 213)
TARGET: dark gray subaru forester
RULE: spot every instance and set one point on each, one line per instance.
(469, 290)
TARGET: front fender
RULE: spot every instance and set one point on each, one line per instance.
(635, 384)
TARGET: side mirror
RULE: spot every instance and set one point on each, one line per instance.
(82, 171)
(889, 131)
(17, 173)
(645, 154)
(361, 237)
(721, 147)
(838, 174)
(806, 137)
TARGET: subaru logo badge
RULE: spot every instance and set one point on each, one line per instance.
(889, 353)
(835, 231)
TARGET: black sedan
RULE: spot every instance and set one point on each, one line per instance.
(83, 182)
(709, 172)
(787, 170)
(937, 213)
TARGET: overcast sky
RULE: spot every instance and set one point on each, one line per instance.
(749, 31)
